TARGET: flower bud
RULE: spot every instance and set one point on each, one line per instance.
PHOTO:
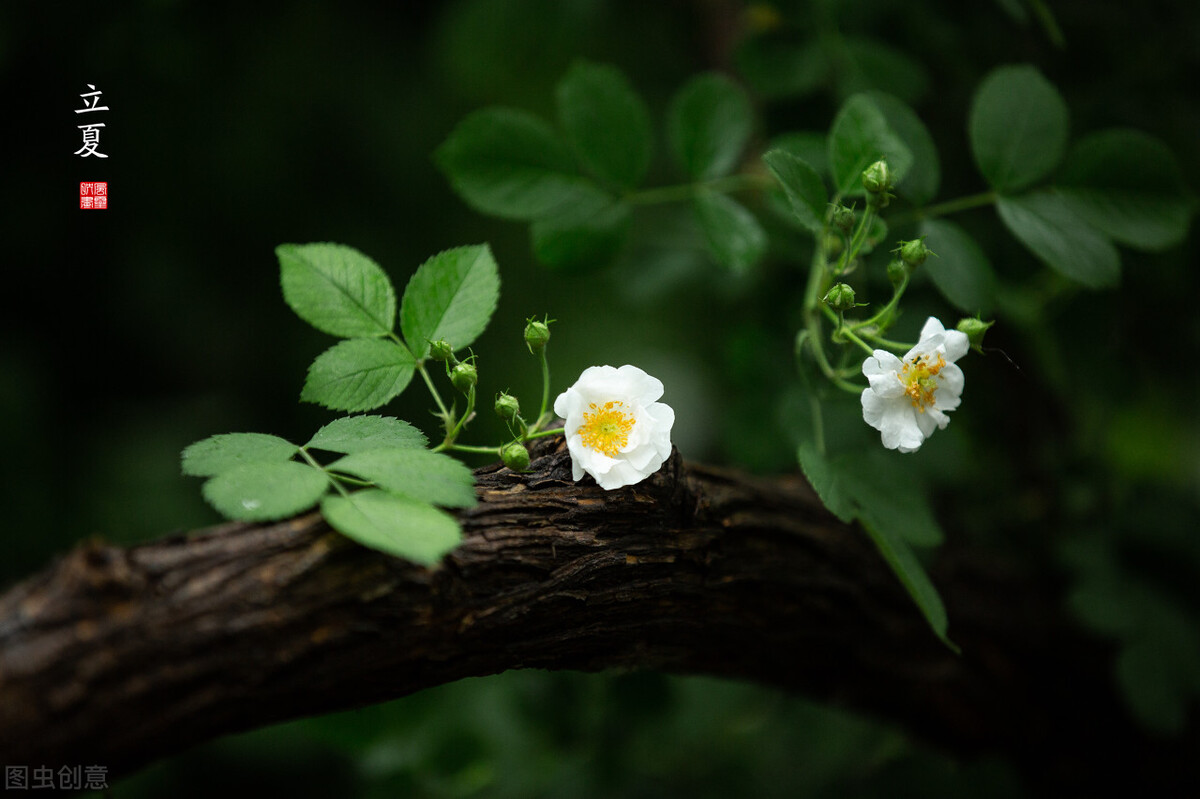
(843, 218)
(440, 350)
(877, 178)
(536, 335)
(914, 252)
(840, 297)
(897, 271)
(974, 327)
(507, 407)
(515, 456)
(464, 376)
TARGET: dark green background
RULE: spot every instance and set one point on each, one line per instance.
(131, 332)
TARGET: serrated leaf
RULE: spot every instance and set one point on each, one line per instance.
(418, 473)
(1018, 127)
(921, 182)
(606, 122)
(336, 289)
(708, 124)
(358, 375)
(803, 187)
(396, 525)
(893, 497)
(220, 453)
(451, 296)
(960, 271)
(510, 164)
(583, 236)
(358, 433)
(258, 492)
(860, 136)
(1127, 184)
(734, 236)
(1045, 223)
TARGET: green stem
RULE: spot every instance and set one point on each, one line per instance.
(544, 433)
(545, 389)
(945, 208)
(685, 191)
(468, 448)
(447, 417)
(336, 481)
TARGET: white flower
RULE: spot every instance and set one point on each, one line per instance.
(908, 399)
(616, 431)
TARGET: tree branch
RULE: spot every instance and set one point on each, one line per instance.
(122, 656)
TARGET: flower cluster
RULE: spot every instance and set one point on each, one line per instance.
(908, 399)
(616, 429)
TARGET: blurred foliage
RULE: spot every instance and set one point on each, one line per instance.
(236, 127)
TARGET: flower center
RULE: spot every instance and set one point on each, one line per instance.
(606, 428)
(919, 377)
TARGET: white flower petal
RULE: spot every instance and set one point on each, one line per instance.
(645, 445)
(957, 345)
(932, 327)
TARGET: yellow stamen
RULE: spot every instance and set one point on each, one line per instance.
(919, 380)
(606, 429)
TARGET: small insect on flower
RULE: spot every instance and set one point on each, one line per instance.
(616, 430)
(908, 399)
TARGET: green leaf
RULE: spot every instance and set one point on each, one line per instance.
(1127, 184)
(336, 289)
(258, 492)
(912, 574)
(809, 146)
(1018, 127)
(396, 525)
(921, 182)
(960, 271)
(220, 453)
(358, 375)
(777, 66)
(827, 481)
(510, 164)
(417, 473)
(708, 124)
(1057, 236)
(358, 433)
(583, 236)
(873, 65)
(803, 186)
(606, 122)
(859, 137)
(734, 235)
(451, 296)
(894, 511)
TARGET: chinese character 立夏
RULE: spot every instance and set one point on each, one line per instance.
(95, 102)
(91, 140)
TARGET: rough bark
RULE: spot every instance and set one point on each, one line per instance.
(122, 656)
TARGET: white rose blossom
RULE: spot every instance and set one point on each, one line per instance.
(616, 430)
(908, 399)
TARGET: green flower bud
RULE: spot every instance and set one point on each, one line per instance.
(440, 350)
(464, 376)
(834, 245)
(877, 178)
(515, 456)
(840, 297)
(914, 252)
(843, 218)
(536, 335)
(975, 327)
(507, 407)
(897, 271)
